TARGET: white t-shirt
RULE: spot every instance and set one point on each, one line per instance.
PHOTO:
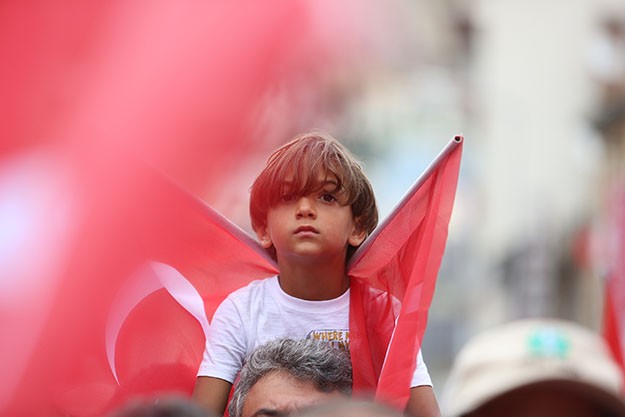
(260, 312)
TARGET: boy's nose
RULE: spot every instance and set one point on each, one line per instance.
(305, 208)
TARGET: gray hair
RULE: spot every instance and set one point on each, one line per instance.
(328, 368)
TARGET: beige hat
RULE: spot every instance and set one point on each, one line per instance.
(528, 352)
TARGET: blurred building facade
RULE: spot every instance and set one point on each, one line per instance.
(544, 168)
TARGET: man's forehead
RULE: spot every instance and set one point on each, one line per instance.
(279, 394)
(283, 407)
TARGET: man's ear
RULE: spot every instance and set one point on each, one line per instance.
(357, 236)
(263, 237)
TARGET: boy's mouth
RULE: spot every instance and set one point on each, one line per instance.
(306, 229)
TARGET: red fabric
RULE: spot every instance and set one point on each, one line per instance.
(614, 253)
(611, 329)
(160, 344)
(91, 88)
(400, 264)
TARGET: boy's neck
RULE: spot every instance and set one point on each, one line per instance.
(315, 280)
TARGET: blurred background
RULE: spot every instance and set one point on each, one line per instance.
(537, 88)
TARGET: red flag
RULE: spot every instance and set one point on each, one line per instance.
(157, 324)
(399, 263)
(612, 327)
(614, 253)
(92, 88)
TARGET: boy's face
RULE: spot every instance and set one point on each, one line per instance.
(315, 226)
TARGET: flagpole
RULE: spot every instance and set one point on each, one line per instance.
(362, 249)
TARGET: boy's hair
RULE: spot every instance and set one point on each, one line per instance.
(302, 158)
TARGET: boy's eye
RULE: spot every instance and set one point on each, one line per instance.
(287, 197)
(327, 197)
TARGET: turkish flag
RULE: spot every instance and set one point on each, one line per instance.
(97, 96)
(393, 276)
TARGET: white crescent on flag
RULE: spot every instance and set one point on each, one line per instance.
(147, 279)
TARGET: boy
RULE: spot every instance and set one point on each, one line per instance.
(311, 207)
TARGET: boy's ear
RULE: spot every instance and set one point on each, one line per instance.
(357, 237)
(263, 237)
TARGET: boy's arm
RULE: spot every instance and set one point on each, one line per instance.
(422, 402)
(223, 357)
(212, 393)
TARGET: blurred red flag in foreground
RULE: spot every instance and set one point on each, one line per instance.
(614, 300)
(92, 91)
(612, 324)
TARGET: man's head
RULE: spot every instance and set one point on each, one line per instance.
(534, 367)
(350, 408)
(285, 375)
(295, 169)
